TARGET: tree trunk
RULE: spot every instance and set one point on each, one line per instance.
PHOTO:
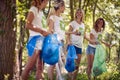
(109, 49)
(85, 6)
(75, 5)
(118, 53)
(80, 1)
(49, 8)
(7, 38)
(95, 4)
(71, 10)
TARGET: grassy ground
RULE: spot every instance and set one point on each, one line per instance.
(113, 73)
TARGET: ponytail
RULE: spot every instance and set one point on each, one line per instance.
(36, 3)
(52, 12)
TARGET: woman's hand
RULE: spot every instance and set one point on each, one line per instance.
(68, 33)
(69, 42)
(77, 32)
(45, 33)
(106, 44)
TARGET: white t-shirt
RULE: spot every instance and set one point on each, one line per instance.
(95, 35)
(77, 40)
(58, 26)
(37, 21)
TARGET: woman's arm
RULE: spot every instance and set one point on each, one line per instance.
(70, 31)
(29, 25)
(51, 26)
(68, 35)
(91, 39)
(108, 45)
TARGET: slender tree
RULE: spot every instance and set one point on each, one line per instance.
(80, 3)
(71, 10)
(94, 8)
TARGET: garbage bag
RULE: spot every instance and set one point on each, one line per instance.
(50, 50)
(99, 65)
(70, 60)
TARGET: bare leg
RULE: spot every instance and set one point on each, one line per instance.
(88, 66)
(90, 59)
(69, 76)
(30, 64)
(39, 68)
(51, 71)
(77, 67)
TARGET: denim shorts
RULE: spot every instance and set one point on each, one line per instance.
(90, 50)
(78, 50)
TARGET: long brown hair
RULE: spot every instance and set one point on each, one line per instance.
(36, 3)
(96, 24)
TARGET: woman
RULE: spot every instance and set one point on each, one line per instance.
(98, 29)
(75, 37)
(56, 26)
(37, 33)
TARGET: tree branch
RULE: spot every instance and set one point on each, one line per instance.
(94, 11)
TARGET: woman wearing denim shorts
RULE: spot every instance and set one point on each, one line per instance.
(75, 37)
(93, 41)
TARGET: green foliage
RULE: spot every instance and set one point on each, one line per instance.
(22, 9)
(82, 77)
(32, 76)
(112, 72)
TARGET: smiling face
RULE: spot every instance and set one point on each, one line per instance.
(79, 14)
(100, 24)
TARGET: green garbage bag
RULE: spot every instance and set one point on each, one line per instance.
(99, 65)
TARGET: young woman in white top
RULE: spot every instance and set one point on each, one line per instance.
(75, 37)
(56, 26)
(98, 29)
(37, 33)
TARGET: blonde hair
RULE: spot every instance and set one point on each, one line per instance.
(52, 12)
(58, 3)
(82, 14)
(36, 3)
(56, 6)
